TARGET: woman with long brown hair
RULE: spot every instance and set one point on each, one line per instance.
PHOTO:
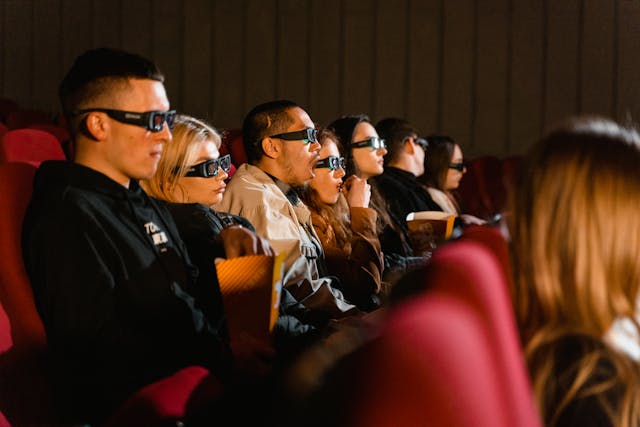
(575, 238)
(346, 226)
(364, 153)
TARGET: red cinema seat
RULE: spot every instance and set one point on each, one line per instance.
(24, 118)
(30, 146)
(449, 356)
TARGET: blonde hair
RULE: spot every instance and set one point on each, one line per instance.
(575, 242)
(178, 156)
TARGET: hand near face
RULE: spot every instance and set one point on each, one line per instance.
(239, 241)
(357, 192)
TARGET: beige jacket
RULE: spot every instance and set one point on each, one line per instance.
(253, 194)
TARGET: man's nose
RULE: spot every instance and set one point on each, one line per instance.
(314, 146)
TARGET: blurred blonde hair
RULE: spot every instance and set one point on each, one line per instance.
(575, 242)
(178, 155)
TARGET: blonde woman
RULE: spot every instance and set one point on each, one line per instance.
(191, 176)
(575, 238)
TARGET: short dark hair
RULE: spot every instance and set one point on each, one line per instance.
(96, 71)
(394, 131)
(436, 161)
(263, 120)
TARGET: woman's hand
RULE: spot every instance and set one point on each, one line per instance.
(357, 192)
(239, 241)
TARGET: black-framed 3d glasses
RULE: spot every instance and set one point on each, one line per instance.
(331, 162)
(151, 120)
(373, 143)
(210, 168)
(305, 135)
(460, 167)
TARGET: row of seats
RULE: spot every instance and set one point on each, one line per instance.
(450, 355)
(454, 347)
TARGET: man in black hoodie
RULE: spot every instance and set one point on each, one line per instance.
(121, 302)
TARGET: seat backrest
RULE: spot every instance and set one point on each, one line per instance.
(232, 144)
(23, 377)
(449, 356)
(30, 146)
(3, 129)
(491, 237)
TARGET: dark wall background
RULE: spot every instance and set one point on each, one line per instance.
(491, 73)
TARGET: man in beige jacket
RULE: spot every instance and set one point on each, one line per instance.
(282, 150)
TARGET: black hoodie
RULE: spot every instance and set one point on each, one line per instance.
(121, 303)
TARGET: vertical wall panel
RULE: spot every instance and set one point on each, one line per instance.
(77, 35)
(293, 51)
(526, 74)
(458, 69)
(228, 88)
(260, 52)
(326, 60)
(358, 57)
(196, 76)
(562, 71)
(18, 55)
(469, 68)
(390, 84)
(136, 26)
(47, 68)
(489, 130)
(628, 91)
(107, 15)
(424, 65)
(597, 57)
(166, 45)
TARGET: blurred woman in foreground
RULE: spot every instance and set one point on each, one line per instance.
(575, 238)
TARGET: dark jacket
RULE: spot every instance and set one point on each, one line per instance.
(403, 194)
(121, 303)
(200, 228)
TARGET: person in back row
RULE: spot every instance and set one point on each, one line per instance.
(120, 300)
(443, 169)
(403, 164)
(282, 148)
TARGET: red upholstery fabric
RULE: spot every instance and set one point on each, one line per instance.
(30, 146)
(232, 144)
(492, 239)
(164, 402)
(3, 129)
(448, 357)
(23, 378)
(59, 132)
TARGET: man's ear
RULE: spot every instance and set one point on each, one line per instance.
(272, 147)
(408, 146)
(95, 126)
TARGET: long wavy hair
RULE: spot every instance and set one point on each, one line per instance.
(575, 244)
(337, 215)
(178, 155)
